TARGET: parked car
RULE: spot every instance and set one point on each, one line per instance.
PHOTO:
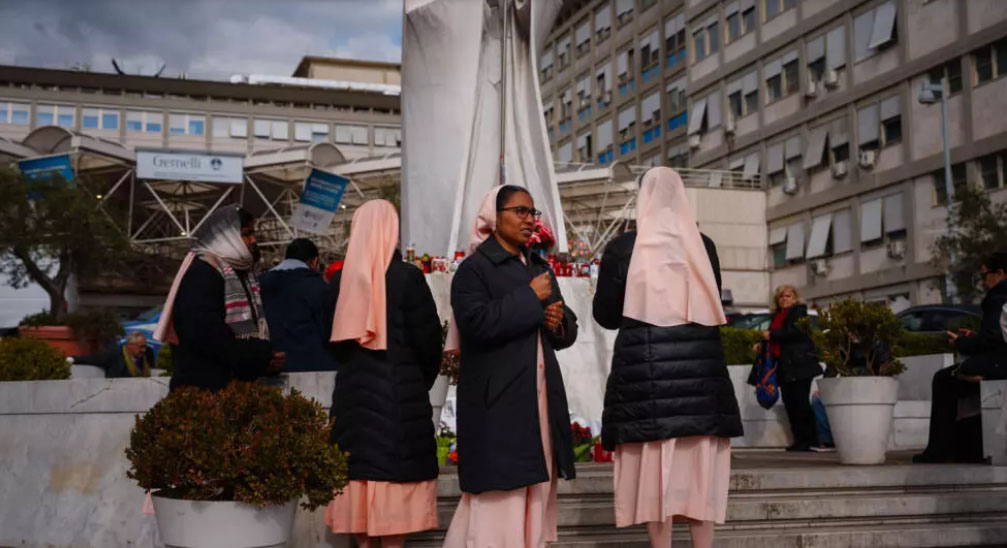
(761, 320)
(938, 318)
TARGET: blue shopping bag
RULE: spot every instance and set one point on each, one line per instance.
(767, 389)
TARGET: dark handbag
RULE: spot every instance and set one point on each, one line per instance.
(767, 389)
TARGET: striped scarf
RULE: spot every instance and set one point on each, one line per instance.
(244, 317)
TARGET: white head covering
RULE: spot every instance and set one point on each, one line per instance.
(670, 279)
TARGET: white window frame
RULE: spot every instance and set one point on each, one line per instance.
(146, 119)
(187, 120)
(101, 113)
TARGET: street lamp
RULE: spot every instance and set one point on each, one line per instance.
(930, 93)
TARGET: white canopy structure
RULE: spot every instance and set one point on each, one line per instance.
(471, 117)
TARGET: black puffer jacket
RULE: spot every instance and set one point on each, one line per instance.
(666, 382)
(381, 404)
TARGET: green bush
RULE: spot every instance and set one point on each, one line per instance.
(166, 359)
(738, 344)
(851, 325)
(247, 443)
(918, 344)
(98, 326)
(26, 359)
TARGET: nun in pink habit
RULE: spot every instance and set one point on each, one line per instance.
(670, 408)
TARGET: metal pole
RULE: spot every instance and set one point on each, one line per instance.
(948, 187)
(503, 92)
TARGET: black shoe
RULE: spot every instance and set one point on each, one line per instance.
(927, 458)
(799, 448)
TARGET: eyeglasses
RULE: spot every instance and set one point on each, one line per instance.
(523, 212)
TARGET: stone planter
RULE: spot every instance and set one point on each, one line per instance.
(993, 397)
(438, 395)
(222, 524)
(59, 337)
(860, 411)
(86, 372)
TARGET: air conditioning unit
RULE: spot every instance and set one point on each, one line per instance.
(812, 89)
(839, 170)
(694, 140)
(790, 185)
(897, 249)
(729, 125)
(867, 158)
(820, 267)
(831, 78)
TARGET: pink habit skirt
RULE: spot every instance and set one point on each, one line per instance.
(524, 517)
(678, 477)
(383, 508)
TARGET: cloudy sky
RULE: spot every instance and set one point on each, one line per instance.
(204, 38)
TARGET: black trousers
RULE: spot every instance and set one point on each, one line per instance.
(950, 438)
(797, 402)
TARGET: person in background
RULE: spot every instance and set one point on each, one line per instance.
(513, 419)
(132, 359)
(330, 271)
(295, 300)
(213, 313)
(796, 366)
(670, 408)
(388, 343)
(953, 437)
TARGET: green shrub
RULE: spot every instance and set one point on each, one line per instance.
(26, 359)
(166, 359)
(98, 326)
(850, 325)
(918, 344)
(738, 344)
(247, 443)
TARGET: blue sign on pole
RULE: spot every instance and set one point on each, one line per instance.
(44, 168)
(319, 201)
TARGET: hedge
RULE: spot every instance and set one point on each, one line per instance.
(738, 344)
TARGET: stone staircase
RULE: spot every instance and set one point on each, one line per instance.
(783, 500)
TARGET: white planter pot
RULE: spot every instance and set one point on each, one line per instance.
(860, 411)
(993, 396)
(222, 524)
(438, 395)
(86, 372)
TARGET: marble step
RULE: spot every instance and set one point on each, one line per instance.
(959, 532)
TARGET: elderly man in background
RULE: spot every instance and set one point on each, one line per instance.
(132, 359)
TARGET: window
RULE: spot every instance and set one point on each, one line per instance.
(650, 56)
(705, 38)
(786, 244)
(563, 53)
(993, 170)
(990, 62)
(387, 137)
(952, 70)
(565, 110)
(645, 4)
(743, 95)
(315, 132)
(582, 37)
(566, 152)
(60, 115)
(705, 114)
(891, 121)
(677, 157)
(839, 141)
(603, 77)
(97, 118)
(584, 150)
(880, 124)
(144, 121)
(624, 70)
(605, 153)
(826, 53)
(713, 37)
(627, 129)
(776, 7)
(603, 22)
(230, 127)
(277, 130)
(15, 113)
(874, 30)
(959, 179)
(351, 135)
(650, 116)
(782, 77)
(545, 64)
(674, 40)
(584, 99)
(624, 11)
(186, 124)
(677, 115)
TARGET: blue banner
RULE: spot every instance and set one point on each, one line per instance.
(324, 190)
(39, 168)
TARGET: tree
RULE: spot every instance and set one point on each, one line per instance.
(980, 227)
(51, 230)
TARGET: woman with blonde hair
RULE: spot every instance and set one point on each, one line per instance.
(388, 345)
(670, 408)
(796, 365)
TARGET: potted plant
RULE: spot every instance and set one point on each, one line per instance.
(227, 469)
(31, 360)
(74, 334)
(859, 389)
(448, 376)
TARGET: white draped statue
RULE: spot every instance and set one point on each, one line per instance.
(451, 94)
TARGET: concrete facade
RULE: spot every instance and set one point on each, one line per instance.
(830, 80)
